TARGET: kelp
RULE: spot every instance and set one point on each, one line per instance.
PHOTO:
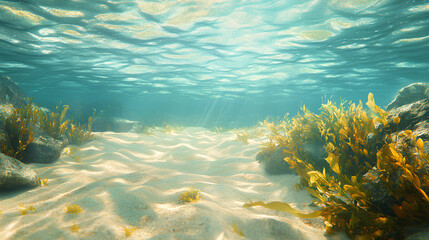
(18, 131)
(73, 209)
(57, 126)
(74, 228)
(44, 182)
(129, 231)
(236, 230)
(78, 134)
(190, 196)
(18, 128)
(25, 210)
(54, 123)
(347, 143)
(242, 135)
(284, 207)
(168, 128)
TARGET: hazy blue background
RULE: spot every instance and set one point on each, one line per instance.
(212, 62)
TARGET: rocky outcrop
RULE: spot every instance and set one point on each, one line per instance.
(14, 174)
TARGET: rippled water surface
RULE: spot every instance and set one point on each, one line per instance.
(202, 57)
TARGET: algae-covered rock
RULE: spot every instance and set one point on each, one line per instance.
(410, 94)
(14, 174)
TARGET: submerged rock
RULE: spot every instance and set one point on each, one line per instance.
(274, 163)
(14, 174)
(103, 124)
(379, 191)
(43, 149)
(10, 93)
(410, 94)
(10, 96)
(414, 116)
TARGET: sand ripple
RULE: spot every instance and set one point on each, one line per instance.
(134, 181)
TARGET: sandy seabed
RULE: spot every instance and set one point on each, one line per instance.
(134, 181)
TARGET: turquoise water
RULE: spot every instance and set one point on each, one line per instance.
(212, 62)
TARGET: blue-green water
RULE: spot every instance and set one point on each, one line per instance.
(212, 62)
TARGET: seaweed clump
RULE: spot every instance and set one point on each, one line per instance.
(18, 131)
(78, 134)
(18, 128)
(191, 196)
(345, 157)
(54, 123)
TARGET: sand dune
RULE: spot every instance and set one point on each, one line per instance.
(131, 181)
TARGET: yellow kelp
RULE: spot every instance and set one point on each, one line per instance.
(128, 231)
(334, 151)
(190, 196)
(25, 210)
(74, 228)
(54, 123)
(236, 230)
(18, 131)
(73, 209)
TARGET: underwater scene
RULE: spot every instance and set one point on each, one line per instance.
(214, 119)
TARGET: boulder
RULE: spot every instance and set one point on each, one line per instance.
(10, 96)
(10, 93)
(274, 163)
(379, 191)
(102, 124)
(414, 116)
(43, 149)
(410, 94)
(14, 174)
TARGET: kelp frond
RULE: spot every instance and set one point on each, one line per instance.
(190, 196)
(54, 123)
(78, 134)
(73, 209)
(242, 136)
(18, 132)
(334, 151)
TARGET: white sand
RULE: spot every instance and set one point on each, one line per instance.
(135, 181)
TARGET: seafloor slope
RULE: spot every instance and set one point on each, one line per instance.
(129, 185)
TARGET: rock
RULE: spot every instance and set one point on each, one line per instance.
(274, 163)
(10, 96)
(43, 149)
(414, 116)
(10, 93)
(411, 105)
(140, 128)
(102, 124)
(14, 174)
(410, 94)
(379, 191)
